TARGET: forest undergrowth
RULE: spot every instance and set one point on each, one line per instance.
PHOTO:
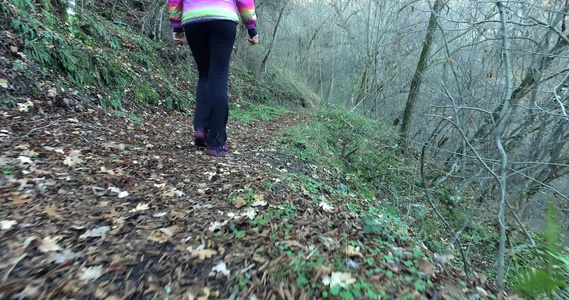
(103, 194)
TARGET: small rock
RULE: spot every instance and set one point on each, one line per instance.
(417, 211)
(353, 265)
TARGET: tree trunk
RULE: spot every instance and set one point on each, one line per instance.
(264, 62)
(418, 76)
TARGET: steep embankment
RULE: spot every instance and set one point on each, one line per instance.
(103, 195)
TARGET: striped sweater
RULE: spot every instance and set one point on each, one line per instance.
(188, 11)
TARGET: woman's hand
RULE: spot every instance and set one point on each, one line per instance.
(179, 38)
(254, 40)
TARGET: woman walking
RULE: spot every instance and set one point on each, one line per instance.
(209, 26)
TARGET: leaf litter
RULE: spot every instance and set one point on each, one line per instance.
(190, 234)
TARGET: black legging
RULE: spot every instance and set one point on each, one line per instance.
(211, 43)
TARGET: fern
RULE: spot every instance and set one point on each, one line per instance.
(27, 29)
(103, 34)
(551, 275)
(24, 5)
(38, 53)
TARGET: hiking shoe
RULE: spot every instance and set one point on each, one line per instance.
(199, 137)
(218, 151)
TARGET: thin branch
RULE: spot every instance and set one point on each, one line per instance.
(447, 225)
(504, 157)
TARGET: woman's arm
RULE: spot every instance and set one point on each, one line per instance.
(175, 9)
(247, 11)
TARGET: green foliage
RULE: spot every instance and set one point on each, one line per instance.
(354, 145)
(146, 94)
(248, 112)
(7, 171)
(112, 102)
(550, 272)
(102, 32)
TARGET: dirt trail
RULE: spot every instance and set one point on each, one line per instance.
(102, 205)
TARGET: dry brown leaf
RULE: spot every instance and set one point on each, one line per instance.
(158, 236)
(207, 293)
(426, 267)
(339, 279)
(321, 270)
(73, 158)
(203, 253)
(19, 199)
(239, 202)
(139, 206)
(49, 244)
(51, 212)
(352, 252)
(91, 273)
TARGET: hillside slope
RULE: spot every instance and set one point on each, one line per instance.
(103, 194)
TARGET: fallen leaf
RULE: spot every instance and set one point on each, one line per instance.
(203, 253)
(217, 225)
(322, 270)
(259, 197)
(25, 160)
(326, 207)
(426, 267)
(97, 232)
(328, 241)
(221, 267)
(4, 83)
(158, 236)
(239, 202)
(139, 206)
(52, 92)
(178, 193)
(167, 231)
(259, 203)
(73, 158)
(49, 244)
(28, 241)
(108, 171)
(7, 224)
(352, 252)
(250, 213)
(30, 292)
(62, 257)
(339, 279)
(120, 194)
(20, 199)
(160, 215)
(91, 273)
